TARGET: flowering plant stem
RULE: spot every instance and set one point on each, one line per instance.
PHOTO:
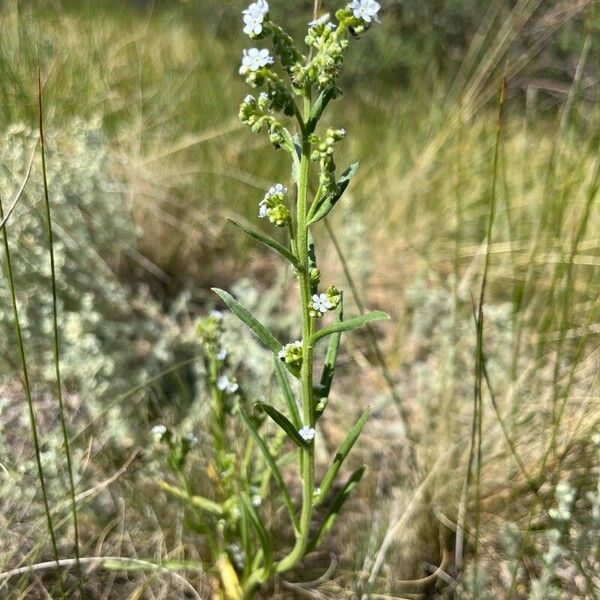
(306, 373)
(244, 549)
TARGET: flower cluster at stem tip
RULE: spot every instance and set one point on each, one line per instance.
(274, 207)
(327, 42)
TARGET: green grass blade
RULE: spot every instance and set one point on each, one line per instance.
(56, 341)
(349, 325)
(340, 456)
(31, 412)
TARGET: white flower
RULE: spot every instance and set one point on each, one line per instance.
(263, 96)
(365, 9)
(157, 432)
(320, 21)
(262, 209)
(321, 303)
(249, 99)
(256, 500)
(191, 439)
(217, 314)
(254, 17)
(222, 354)
(277, 189)
(253, 59)
(225, 385)
(307, 433)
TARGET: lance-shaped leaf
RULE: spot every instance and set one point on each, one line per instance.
(263, 536)
(349, 325)
(288, 395)
(283, 422)
(242, 313)
(198, 501)
(268, 241)
(331, 356)
(327, 204)
(336, 507)
(341, 455)
(318, 107)
(273, 466)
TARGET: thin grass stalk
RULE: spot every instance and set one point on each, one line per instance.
(56, 340)
(480, 357)
(31, 411)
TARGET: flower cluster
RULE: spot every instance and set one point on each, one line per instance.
(256, 114)
(178, 447)
(224, 384)
(291, 354)
(322, 303)
(254, 17)
(329, 43)
(273, 206)
(209, 330)
(323, 153)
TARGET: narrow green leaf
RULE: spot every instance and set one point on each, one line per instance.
(331, 356)
(242, 313)
(341, 455)
(283, 422)
(327, 204)
(336, 507)
(267, 240)
(288, 395)
(263, 536)
(318, 107)
(198, 501)
(245, 540)
(349, 325)
(272, 465)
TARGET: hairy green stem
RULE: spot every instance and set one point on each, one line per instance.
(307, 454)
